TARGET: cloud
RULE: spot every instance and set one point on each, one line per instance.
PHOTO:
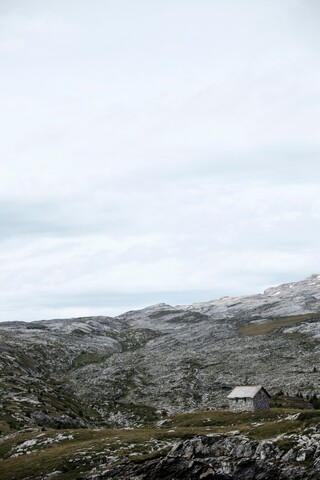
(215, 238)
(155, 152)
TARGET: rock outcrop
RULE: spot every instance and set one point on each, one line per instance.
(227, 458)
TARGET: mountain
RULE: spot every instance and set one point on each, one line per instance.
(145, 364)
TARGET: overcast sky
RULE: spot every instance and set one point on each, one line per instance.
(155, 151)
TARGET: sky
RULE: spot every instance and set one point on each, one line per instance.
(155, 151)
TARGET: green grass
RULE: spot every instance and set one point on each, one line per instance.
(222, 417)
(146, 413)
(285, 444)
(310, 417)
(269, 326)
(284, 401)
(273, 429)
(86, 358)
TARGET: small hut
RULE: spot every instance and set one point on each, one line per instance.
(249, 398)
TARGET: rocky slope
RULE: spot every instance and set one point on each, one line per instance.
(228, 458)
(159, 360)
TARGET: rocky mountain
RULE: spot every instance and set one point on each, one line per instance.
(146, 364)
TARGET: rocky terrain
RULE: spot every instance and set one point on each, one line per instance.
(144, 395)
(217, 457)
(145, 364)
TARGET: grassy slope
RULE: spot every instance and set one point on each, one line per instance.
(87, 448)
(269, 326)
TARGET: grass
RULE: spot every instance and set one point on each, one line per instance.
(90, 447)
(285, 444)
(310, 417)
(60, 456)
(285, 401)
(273, 429)
(86, 358)
(271, 325)
(146, 413)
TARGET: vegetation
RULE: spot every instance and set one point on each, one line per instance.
(271, 325)
(85, 358)
(280, 400)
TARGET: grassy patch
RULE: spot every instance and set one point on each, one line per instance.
(131, 340)
(271, 325)
(145, 413)
(86, 358)
(284, 401)
(222, 418)
(285, 444)
(164, 313)
(273, 429)
(150, 456)
(309, 418)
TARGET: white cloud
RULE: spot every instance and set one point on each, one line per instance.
(151, 149)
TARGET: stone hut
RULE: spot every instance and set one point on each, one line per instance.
(249, 398)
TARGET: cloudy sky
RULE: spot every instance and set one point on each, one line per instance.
(155, 151)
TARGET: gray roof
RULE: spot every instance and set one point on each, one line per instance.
(246, 391)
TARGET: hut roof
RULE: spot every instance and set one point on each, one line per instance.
(246, 391)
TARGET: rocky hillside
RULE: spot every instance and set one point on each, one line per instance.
(143, 365)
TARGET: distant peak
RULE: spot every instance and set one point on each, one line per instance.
(314, 276)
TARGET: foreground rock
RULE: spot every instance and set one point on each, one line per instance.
(228, 458)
